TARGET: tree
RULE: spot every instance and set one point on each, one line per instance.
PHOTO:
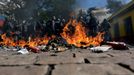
(114, 5)
(21, 9)
(25, 9)
(7, 6)
(58, 8)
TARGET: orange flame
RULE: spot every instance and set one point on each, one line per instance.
(9, 41)
(79, 37)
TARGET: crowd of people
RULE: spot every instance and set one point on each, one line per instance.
(53, 26)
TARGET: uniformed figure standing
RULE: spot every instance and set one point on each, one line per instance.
(93, 25)
(8, 27)
(54, 25)
(43, 31)
(81, 19)
(105, 26)
(40, 28)
(50, 27)
(58, 27)
(63, 23)
(17, 35)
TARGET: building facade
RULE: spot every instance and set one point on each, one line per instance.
(122, 23)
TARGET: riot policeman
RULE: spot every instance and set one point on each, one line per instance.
(105, 26)
(93, 24)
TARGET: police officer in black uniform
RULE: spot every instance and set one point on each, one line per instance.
(50, 26)
(93, 25)
(105, 26)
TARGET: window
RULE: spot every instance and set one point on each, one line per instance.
(128, 26)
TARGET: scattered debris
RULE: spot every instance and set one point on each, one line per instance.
(118, 45)
(60, 49)
(53, 54)
(34, 49)
(5, 48)
(42, 48)
(23, 51)
(100, 49)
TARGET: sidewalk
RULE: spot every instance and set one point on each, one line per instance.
(71, 62)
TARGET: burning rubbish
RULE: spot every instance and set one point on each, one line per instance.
(30, 45)
(58, 35)
(74, 34)
(76, 37)
(79, 37)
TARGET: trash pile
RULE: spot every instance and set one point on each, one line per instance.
(37, 49)
(55, 47)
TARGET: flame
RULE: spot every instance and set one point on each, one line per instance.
(78, 35)
(9, 41)
(74, 33)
